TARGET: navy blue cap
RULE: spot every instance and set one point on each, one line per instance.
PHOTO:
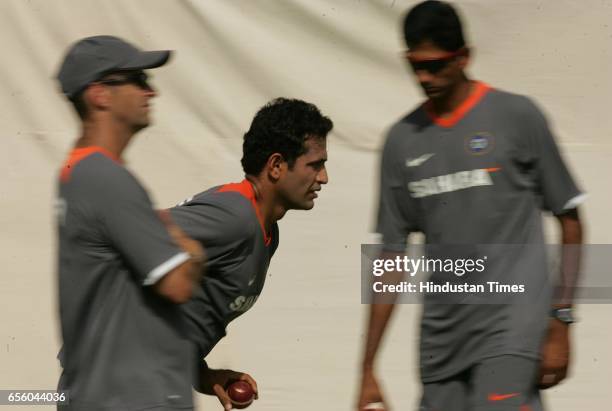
(91, 58)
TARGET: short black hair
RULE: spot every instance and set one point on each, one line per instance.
(78, 102)
(434, 21)
(282, 126)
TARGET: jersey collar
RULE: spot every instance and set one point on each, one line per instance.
(245, 188)
(478, 92)
(80, 153)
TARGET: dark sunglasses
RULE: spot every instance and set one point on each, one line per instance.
(433, 65)
(138, 78)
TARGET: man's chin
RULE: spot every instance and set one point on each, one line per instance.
(306, 205)
(141, 125)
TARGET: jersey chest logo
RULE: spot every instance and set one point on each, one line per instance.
(415, 162)
(451, 182)
(479, 143)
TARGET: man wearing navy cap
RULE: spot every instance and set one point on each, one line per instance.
(123, 272)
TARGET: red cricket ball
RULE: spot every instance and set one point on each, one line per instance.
(241, 394)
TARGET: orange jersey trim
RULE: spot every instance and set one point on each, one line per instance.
(78, 154)
(246, 190)
(480, 89)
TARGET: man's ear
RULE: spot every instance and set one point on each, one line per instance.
(464, 58)
(97, 96)
(276, 165)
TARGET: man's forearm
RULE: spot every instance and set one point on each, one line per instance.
(377, 324)
(571, 236)
(202, 369)
(380, 312)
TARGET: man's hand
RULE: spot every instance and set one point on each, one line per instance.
(555, 355)
(214, 382)
(178, 284)
(191, 246)
(369, 393)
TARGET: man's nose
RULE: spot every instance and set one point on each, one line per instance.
(322, 177)
(423, 76)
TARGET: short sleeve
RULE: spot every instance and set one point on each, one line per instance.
(131, 224)
(557, 187)
(397, 210)
(220, 227)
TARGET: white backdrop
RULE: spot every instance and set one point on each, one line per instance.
(302, 339)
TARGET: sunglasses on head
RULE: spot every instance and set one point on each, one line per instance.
(432, 65)
(138, 78)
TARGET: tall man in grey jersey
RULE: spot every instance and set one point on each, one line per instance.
(284, 155)
(474, 165)
(122, 272)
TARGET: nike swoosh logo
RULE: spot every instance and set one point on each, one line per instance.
(415, 162)
(501, 397)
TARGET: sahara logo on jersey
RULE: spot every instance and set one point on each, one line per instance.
(451, 182)
(243, 303)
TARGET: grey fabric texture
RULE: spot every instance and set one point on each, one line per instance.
(125, 347)
(231, 57)
(481, 181)
(227, 226)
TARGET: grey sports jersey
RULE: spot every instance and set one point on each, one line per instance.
(225, 219)
(481, 177)
(125, 347)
